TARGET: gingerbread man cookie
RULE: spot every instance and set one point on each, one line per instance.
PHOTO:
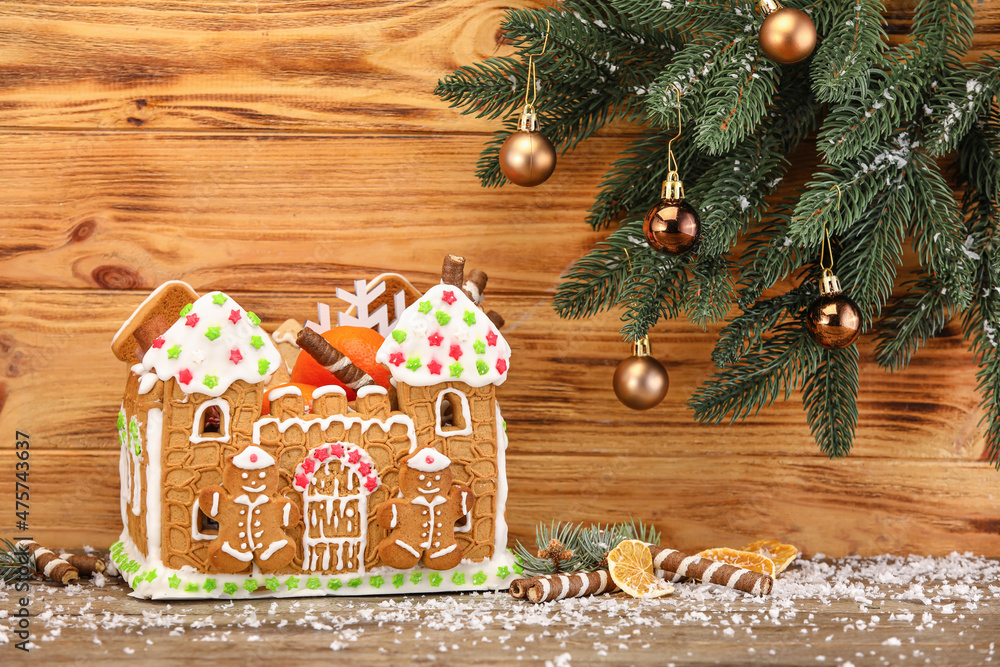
(422, 522)
(252, 517)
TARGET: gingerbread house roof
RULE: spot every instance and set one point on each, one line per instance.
(212, 344)
(443, 337)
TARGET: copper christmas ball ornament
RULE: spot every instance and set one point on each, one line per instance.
(833, 320)
(527, 158)
(671, 226)
(787, 36)
(640, 381)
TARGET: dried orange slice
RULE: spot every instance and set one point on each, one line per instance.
(631, 567)
(748, 560)
(781, 554)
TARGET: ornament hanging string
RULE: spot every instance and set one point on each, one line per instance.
(826, 246)
(532, 76)
(671, 158)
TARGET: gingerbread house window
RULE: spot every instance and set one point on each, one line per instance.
(211, 421)
(453, 417)
(203, 527)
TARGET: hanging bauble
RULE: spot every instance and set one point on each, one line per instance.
(787, 35)
(833, 320)
(641, 381)
(672, 225)
(527, 158)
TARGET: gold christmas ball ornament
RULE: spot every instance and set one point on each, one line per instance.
(672, 225)
(641, 381)
(833, 320)
(787, 35)
(527, 158)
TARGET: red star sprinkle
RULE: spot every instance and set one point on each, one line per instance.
(354, 456)
(448, 297)
(158, 343)
(301, 481)
(371, 483)
(396, 358)
(491, 338)
(191, 320)
(501, 366)
(435, 339)
(235, 356)
(364, 468)
(434, 367)
(430, 459)
(321, 454)
(184, 376)
(337, 450)
(234, 316)
(455, 352)
(308, 465)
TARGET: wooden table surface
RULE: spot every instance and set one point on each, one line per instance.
(940, 611)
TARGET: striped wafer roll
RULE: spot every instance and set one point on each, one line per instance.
(519, 587)
(571, 585)
(87, 566)
(332, 359)
(710, 571)
(49, 564)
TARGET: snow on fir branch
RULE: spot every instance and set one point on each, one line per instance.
(566, 547)
(882, 113)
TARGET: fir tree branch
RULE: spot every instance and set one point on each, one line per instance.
(745, 332)
(695, 16)
(962, 96)
(910, 321)
(710, 291)
(831, 402)
(854, 41)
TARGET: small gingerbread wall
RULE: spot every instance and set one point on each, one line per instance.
(138, 405)
(473, 456)
(188, 467)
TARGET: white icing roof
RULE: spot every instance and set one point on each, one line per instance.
(211, 345)
(443, 337)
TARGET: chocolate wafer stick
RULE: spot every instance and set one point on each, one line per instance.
(561, 586)
(475, 286)
(453, 270)
(49, 564)
(332, 359)
(710, 571)
(87, 566)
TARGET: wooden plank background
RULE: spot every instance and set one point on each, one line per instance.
(279, 150)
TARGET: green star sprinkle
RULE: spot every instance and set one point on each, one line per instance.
(152, 575)
(398, 335)
(503, 572)
(456, 369)
(442, 317)
(416, 577)
(211, 381)
(292, 583)
(272, 583)
(209, 585)
(354, 583)
(230, 588)
(212, 333)
(218, 298)
(334, 584)
(174, 580)
(398, 580)
(470, 318)
(313, 583)
(435, 579)
(174, 352)
(458, 578)
(479, 578)
(376, 581)
(482, 367)
(257, 342)
(518, 569)
(251, 585)
(186, 309)
(253, 318)
(413, 364)
(121, 419)
(479, 346)
(133, 427)
(191, 588)
(424, 307)
(262, 366)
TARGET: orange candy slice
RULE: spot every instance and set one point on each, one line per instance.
(631, 567)
(748, 560)
(781, 554)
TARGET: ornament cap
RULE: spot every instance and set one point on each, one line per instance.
(641, 348)
(673, 188)
(768, 6)
(528, 122)
(829, 284)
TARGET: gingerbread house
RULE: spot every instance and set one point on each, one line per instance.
(399, 490)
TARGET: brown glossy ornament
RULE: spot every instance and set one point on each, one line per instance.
(672, 226)
(641, 381)
(527, 157)
(787, 35)
(833, 320)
